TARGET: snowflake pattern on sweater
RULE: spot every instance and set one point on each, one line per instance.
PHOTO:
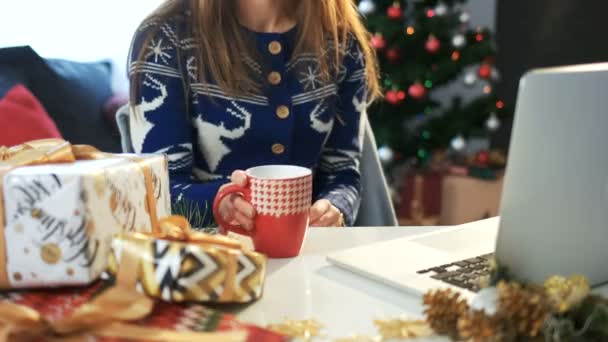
(207, 134)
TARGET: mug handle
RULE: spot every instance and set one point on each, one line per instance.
(223, 224)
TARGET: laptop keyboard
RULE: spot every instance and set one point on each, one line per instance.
(464, 273)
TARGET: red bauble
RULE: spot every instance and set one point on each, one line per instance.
(377, 41)
(394, 97)
(401, 95)
(485, 71)
(391, 97)
(417, 91)
(394, 12)
(393, 55)
(482, 158)
(432, 44)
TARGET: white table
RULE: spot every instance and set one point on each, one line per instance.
(309, 287)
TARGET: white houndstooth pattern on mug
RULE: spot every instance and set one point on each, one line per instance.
(281, 197)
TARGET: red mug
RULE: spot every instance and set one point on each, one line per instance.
(281, 196)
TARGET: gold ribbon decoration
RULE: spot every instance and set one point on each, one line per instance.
(135, 252)
(107, 315)
(53, 151)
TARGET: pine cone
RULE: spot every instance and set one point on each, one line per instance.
(476, 326)
(443, 309)
(522, 309)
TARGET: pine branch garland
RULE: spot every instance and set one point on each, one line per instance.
(192, 211)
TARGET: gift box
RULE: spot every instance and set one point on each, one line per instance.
(174, 321)
(177, 264)
(420, 199)
(58, 218)
(468, 199)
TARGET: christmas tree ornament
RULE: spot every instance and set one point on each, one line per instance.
(566, 293)
(493, 123)
(304, 330)
(495, 75)
(378, 42)
(422, 153)
(458, 41)
(393, 55)
(367, 7)
(455, 56)
(487, 89)
(394, 97)
(482, 158)
(464, 17)
(385, 154)
(477, 326)
(430, 13)
(410, 30)
(470, 78)
(400, 329)
(443, 308)
(441, 9)
(432, 44)
(458, 143)
(394, 12)
(479, 37)
(500, 104)
(485, 71)
(401, 95)
(416, 91)
(523, 308)
(391, 97)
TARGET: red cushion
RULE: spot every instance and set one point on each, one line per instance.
(22, 118)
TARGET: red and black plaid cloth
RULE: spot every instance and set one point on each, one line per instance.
(55, 304)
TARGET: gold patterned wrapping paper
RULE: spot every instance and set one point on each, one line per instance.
(61, 205)
(204, 268)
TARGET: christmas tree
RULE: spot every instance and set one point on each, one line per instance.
(424, 46)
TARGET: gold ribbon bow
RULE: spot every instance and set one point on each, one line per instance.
(176, 228)
(106, 314)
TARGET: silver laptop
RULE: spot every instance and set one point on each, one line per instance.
(554, 205)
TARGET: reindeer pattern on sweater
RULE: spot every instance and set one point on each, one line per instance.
(207, 134)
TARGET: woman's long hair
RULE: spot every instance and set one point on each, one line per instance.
(222, 40)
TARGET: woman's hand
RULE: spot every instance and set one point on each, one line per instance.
(324, 214)
(234, 208)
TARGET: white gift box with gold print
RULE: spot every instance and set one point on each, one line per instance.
(60, 218)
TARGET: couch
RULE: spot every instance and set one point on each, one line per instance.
(76, 97)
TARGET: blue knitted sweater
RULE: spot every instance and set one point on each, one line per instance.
(298, 118)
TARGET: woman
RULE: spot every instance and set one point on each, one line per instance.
(224, 85)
